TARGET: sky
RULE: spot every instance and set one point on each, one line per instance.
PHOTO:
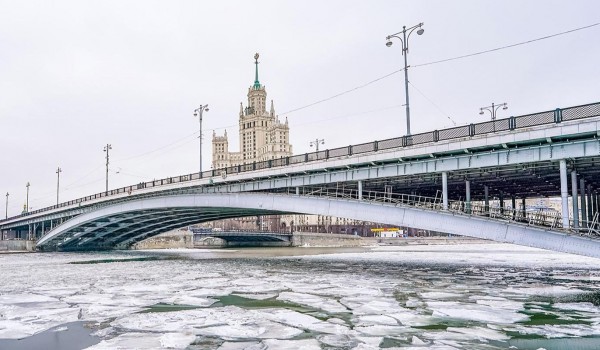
(78, 75)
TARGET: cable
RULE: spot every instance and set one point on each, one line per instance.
(433, 103)
(505, 47)
(436, 62)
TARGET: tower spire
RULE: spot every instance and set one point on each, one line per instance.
(256, 82)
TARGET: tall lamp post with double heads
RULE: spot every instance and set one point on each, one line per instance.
(198, 113)
(316, 143)
(58, 171)
(492, 109)
(404, 41)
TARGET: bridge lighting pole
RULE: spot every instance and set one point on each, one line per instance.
(198, 113)
(316, 143)
(493, 109)
(6, 205)
(107, 148)
(58, 171)
(404, 41)
(27, 198)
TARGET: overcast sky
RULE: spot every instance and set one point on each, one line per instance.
(76, 75)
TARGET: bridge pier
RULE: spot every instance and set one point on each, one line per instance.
(514, 207)
(468, 196)
(575, 200)
(360, 192)
(582, 199)
(589, 203)
(524, 208)
(486, 194)
(564, 192)
(501, 202)
(445, 190)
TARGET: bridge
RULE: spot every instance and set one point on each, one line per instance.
(455, 180)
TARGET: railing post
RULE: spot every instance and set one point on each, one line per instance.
(305, 157)
(253, 165)
(375, 146)
(326, 154)
(436, 136)
(558, 115)
(471, 129)
(350, 150)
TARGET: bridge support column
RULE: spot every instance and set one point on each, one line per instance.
(501, 202)
(564, 192)
(486, 194)
(468, 196)
(583, 206)
(589, 203)
(513, 213)
(524, 208)
(360, 197)
(297, 191)
(575, 200)
(445, 190)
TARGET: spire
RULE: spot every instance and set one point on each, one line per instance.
(241, 109)
(272, 109)
(256, 82)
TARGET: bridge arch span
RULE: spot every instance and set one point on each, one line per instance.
(123, 224)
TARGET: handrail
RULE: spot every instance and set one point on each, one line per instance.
(506, 124)
(539, 219)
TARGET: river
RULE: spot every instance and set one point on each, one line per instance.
(464, 296)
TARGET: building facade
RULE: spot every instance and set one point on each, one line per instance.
(262, 135)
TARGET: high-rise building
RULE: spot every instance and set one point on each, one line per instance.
(262, 135)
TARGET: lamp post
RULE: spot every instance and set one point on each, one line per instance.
(198, 113)
(492, 109)
(107, 148)
(316, 143)
(58, 171)
(27, 198)
(404, 41)
(6, 205)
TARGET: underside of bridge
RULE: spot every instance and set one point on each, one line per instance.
(123, 229)
(535, 180)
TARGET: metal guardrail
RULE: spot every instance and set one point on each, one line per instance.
(512, 123)
(539, 219)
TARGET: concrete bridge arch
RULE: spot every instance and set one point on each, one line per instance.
(123, 224)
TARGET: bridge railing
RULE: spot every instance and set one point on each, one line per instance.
(537, 218)
(512, 123)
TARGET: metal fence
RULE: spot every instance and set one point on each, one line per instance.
(548, 117)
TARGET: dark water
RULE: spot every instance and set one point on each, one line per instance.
(75, 337)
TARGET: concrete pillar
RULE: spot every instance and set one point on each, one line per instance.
(564, 192)
(360, 197)
(501, 202)
(486, 193)
(468, 196)
(575, 200)
(583, 205)
(445, 190)
(297, 191)
(524, 208)
(514, 207)
(589, 203)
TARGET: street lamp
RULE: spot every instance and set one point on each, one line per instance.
(107, 148)
(492, 109)
(6, 205)
(198, 112)
(316, 143)
(58, 171)
(27, 198)
(404, 41)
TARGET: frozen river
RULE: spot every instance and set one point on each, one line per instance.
(472, 296)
